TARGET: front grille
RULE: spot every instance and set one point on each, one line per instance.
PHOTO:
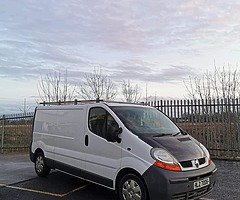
(192, 194)
(201, 161)
(190, 164)
(182, 196)
(198, 193)
(186, 164)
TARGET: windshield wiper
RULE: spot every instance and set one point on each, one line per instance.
(160, 135)
(177, 133)
(180, 132)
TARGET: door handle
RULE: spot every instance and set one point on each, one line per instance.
(86, 140)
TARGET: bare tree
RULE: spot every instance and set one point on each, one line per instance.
(54, 87)
(131, 93)
(97, 86)
(219, 84)
(25, 108)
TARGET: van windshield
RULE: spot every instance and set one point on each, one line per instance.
(145, 121)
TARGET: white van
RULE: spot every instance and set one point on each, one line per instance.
(133, 149)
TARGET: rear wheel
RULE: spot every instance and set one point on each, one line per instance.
(131, 187)
(41, 167)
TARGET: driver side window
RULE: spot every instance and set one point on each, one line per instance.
(101, 123)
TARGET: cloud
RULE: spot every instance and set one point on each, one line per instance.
(37, 36)
(133, 26)
(143, 71)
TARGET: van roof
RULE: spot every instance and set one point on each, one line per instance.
(80, 104)
(76, 102)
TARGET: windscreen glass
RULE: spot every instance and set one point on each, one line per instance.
(145, 121)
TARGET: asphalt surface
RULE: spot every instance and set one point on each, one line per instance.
(18, 181)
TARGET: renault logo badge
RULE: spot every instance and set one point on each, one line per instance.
(196, 163)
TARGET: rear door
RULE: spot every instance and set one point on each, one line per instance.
(102, 158)
(45, 125)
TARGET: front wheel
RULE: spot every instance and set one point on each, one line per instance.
(131, 187)
(41, 167)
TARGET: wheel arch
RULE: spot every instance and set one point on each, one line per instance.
(37, 151)
(125, 171)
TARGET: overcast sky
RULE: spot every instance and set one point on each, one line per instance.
(155, 41)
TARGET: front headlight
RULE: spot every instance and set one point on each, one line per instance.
(164, 160)
(206, 152)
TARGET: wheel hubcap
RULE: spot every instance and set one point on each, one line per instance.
(39, 164)
(131, 190)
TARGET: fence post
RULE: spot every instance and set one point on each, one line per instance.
(3, 131)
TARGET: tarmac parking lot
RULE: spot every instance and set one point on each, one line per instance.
(18, 181)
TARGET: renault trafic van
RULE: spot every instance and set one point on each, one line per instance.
(135, 150)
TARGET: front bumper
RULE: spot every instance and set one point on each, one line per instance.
(169, 185)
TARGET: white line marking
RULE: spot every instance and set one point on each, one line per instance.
(43, 192)
(75, 190)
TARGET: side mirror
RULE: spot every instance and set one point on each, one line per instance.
(113, 134)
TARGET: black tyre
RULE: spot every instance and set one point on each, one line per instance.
(41, 167)
(131, 187)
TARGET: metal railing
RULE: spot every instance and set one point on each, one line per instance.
(215, 123)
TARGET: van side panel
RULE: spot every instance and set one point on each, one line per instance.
(58, 132)
(45, 126)
(135, 152)
(69, 141)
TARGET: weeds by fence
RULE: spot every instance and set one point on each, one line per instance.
(15, 131)
(215, 123)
